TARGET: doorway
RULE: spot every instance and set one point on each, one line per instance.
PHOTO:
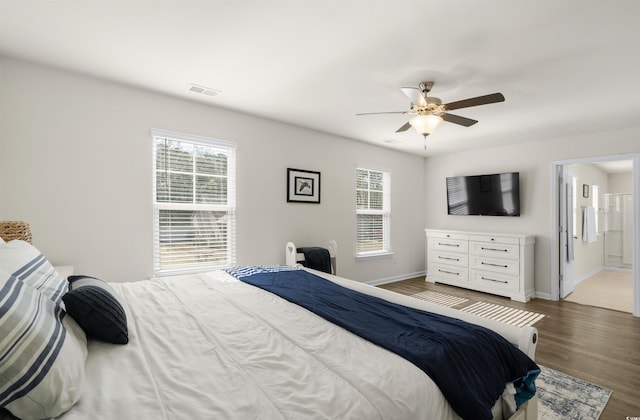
(580, 223)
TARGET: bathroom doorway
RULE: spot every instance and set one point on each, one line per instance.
(596, 252)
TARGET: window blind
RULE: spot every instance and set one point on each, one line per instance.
(194, 203)
(373, 211)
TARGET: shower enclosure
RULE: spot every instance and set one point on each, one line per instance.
(618, 230)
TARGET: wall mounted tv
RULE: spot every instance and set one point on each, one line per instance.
(484, 195)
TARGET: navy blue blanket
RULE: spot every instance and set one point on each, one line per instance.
(470, 364)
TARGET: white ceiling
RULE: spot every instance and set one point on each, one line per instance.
(565, 67)
(616, 166)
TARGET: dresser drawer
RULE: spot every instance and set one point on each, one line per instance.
(450, 258)
(449, 274)
(495, 239)
(495, 265)
(494, 282)
(449, 245)
(448, 235)
(495, 250)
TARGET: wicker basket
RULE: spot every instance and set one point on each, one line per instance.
(15, 230)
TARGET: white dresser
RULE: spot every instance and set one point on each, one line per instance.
(501, 264)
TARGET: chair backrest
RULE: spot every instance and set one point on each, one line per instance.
(293, 258)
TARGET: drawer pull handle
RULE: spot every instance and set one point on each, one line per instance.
(493, 249)
(497, 281)
(448, 258)
(456, 245)
(449, 272)
(494, 265)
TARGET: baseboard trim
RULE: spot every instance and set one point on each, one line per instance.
(611, 268)
(578, 280)
(544, 296)
(395, 278)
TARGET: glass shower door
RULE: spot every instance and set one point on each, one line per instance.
(618, 226)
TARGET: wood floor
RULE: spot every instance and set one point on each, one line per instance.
(598, 345)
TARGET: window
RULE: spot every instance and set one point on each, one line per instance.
(193, 203)
(373, 212)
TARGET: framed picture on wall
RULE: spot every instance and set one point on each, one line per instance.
(303, 186)
(585, 190)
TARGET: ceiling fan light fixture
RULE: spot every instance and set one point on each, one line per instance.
(425, 124)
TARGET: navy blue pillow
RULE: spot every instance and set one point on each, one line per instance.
(93, 305)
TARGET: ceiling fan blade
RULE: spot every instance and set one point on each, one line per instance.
(479, 100)
(405, 127)
(457, 119)
(415, 95)
(377, 113)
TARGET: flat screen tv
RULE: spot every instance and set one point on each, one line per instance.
(484, 195)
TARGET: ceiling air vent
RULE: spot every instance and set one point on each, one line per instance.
(203, 90)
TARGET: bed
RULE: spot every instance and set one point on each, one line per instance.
(212, 346)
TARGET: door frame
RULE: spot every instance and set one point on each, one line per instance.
(565, 216)
(556, 168)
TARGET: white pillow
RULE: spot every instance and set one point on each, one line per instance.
(44, 353)
(26, 263)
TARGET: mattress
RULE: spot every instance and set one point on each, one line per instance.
(209, 346)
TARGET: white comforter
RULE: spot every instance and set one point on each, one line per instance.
(210, 347)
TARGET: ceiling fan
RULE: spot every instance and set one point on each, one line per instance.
(428, 111)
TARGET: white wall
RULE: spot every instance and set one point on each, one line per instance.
(533, 161)
(620, 183)
(75, 162)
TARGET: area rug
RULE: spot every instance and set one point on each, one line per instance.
(512, 316)
(439, 298)
(561, 396)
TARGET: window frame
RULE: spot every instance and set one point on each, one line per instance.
(229, 149)
(385, 212)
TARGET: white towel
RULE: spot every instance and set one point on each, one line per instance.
(589, 224)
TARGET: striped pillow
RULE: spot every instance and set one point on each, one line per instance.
(42, 353)
(27, 264)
